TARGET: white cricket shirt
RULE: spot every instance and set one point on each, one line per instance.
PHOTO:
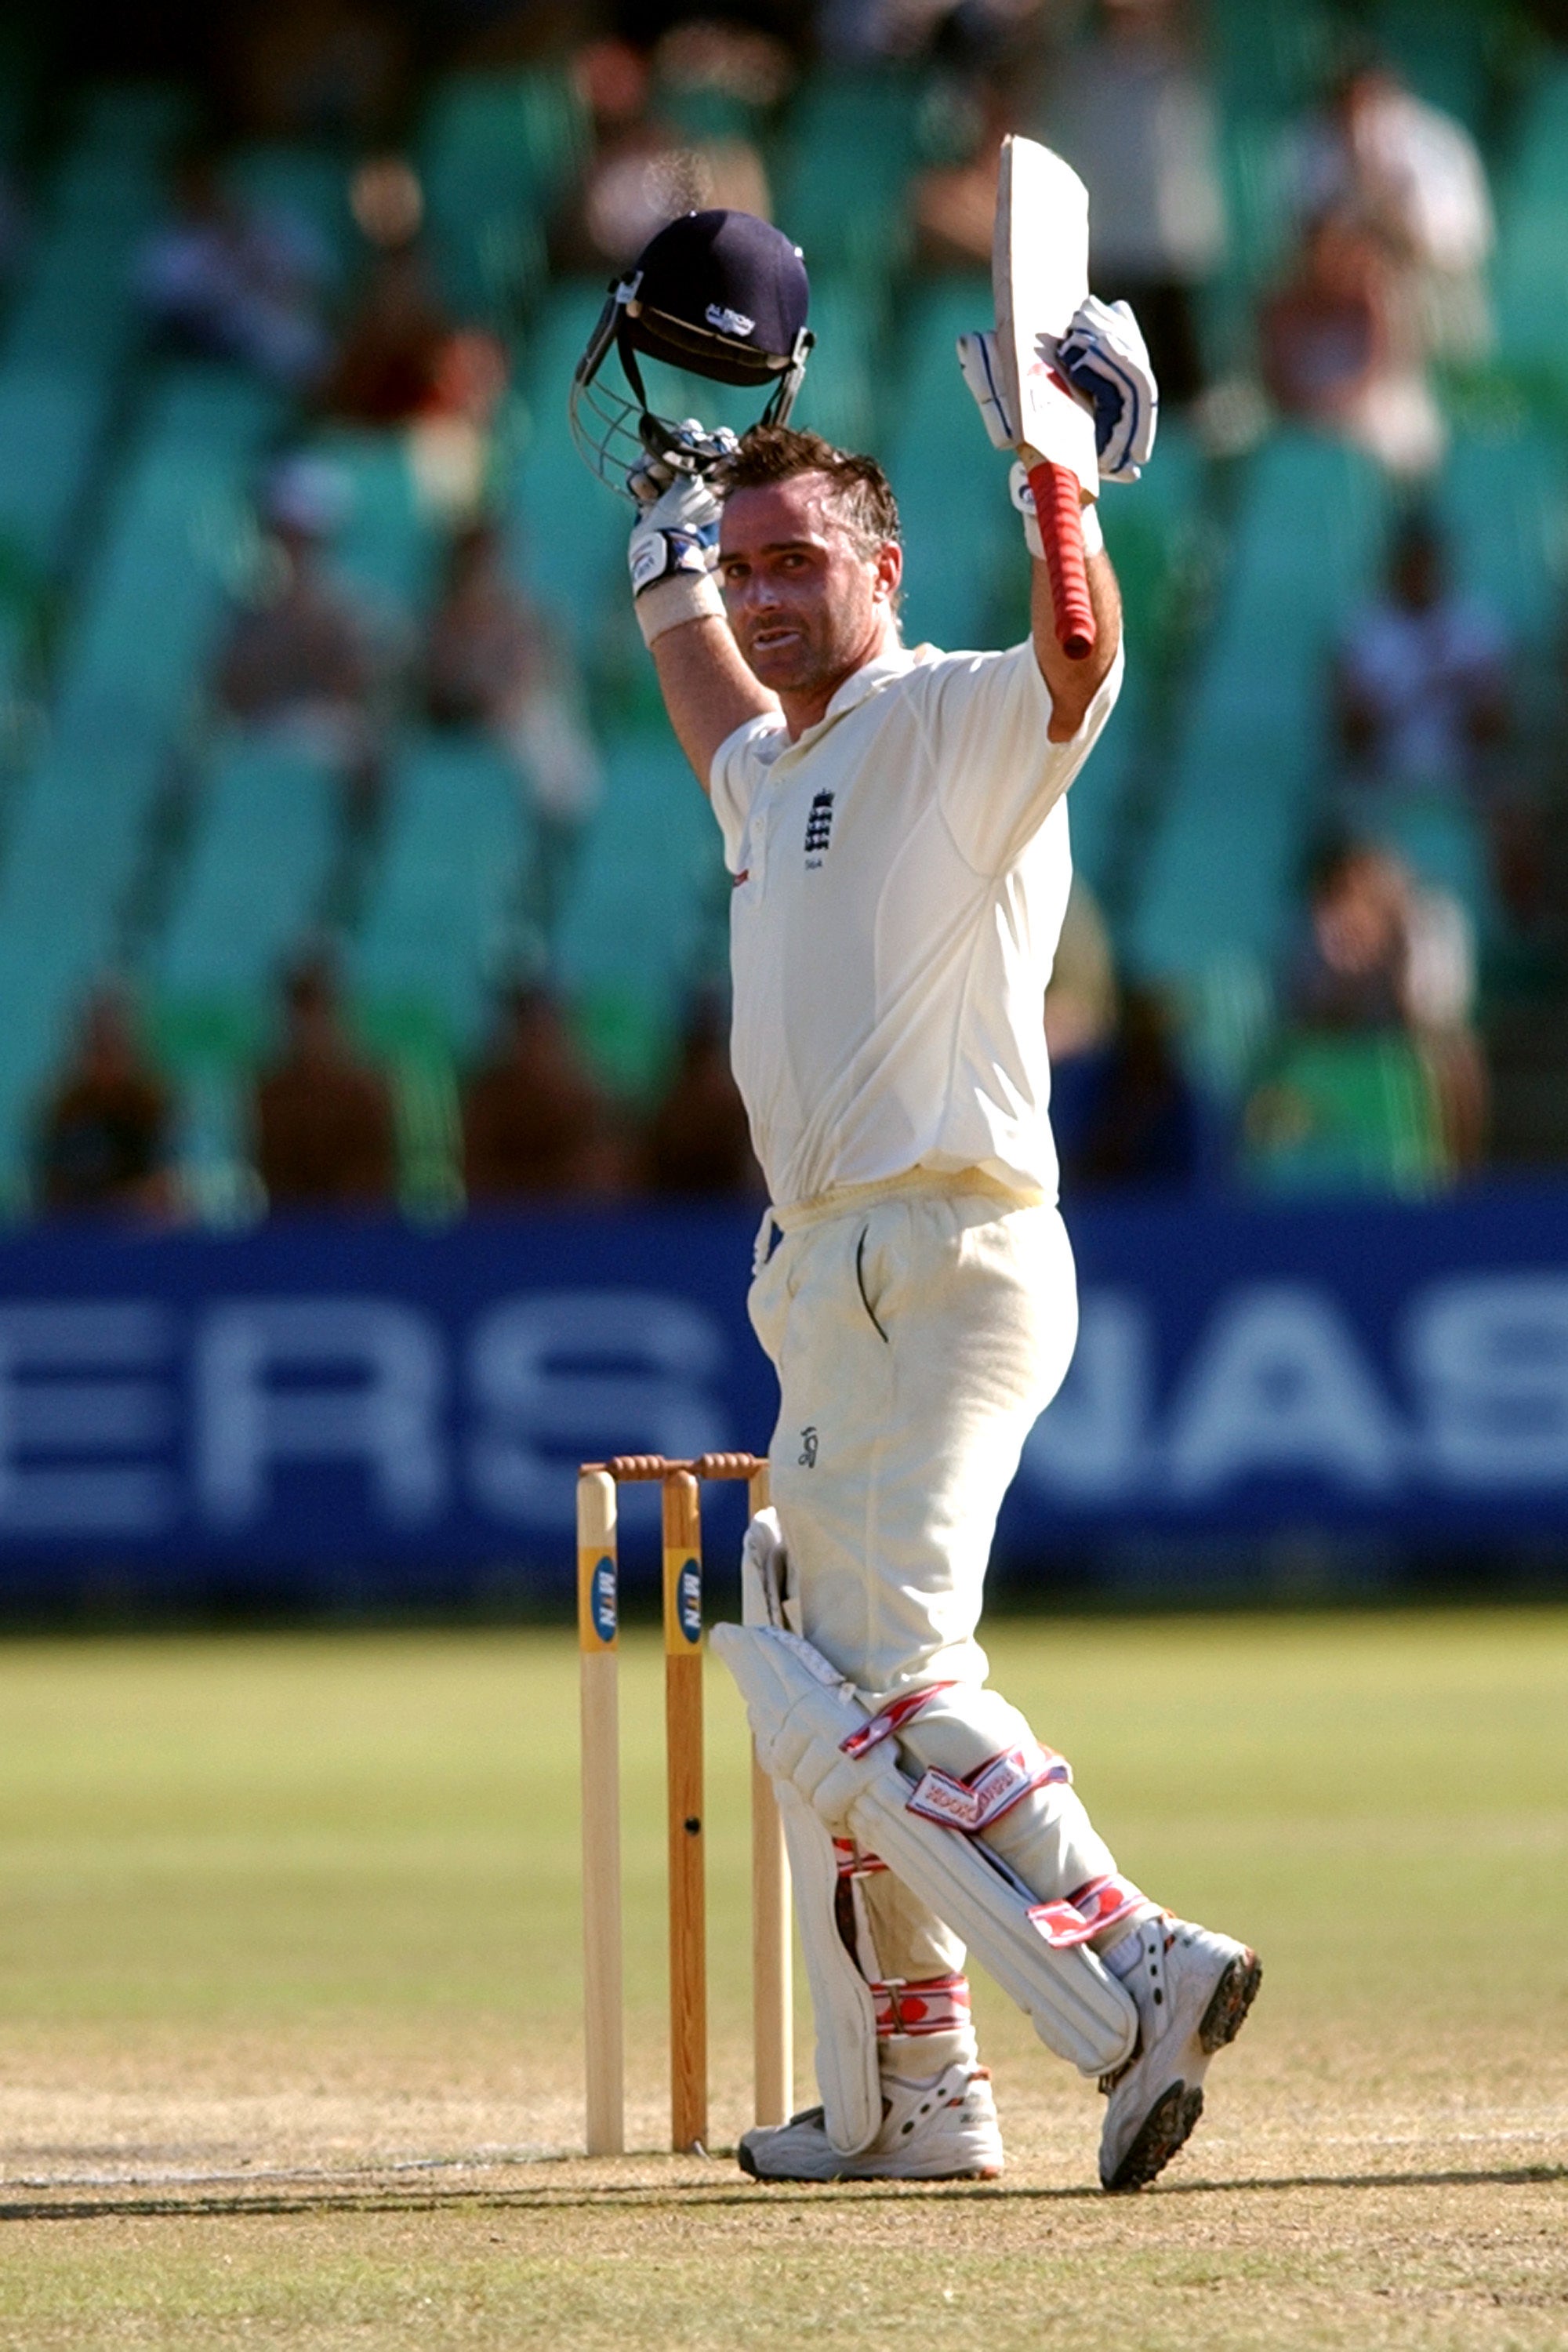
(900, 874)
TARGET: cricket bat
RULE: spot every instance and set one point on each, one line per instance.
(1039, 275)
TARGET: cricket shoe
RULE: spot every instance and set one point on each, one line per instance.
(1193, 1990)
(945, 2130)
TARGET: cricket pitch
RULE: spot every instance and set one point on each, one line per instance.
(292, 2054)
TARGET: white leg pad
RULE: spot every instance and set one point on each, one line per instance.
(801, 1712)
(842, 2005)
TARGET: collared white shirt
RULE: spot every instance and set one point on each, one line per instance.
(900, 874)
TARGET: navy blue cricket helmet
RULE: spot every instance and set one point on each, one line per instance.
(720, 294)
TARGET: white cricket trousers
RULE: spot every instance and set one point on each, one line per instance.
(918, 1328)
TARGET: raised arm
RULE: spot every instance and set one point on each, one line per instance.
(1105, 360)
(707, 690)
(1074, 684)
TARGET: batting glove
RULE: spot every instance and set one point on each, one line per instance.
(977, 358)
(674, 548)
(1105, 359)
(1023, 498)
(677, 532)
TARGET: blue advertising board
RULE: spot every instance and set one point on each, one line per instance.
(369, 1411)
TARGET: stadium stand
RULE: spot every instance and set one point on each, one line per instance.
(646, 919)
(1221, 869)
(133, 667)
(496, 152)
(1531, 285)
(264, 842)
(566, 542)
(442, 921)
(123, 481)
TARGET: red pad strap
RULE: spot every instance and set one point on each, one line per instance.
(893, 1717)
(853, 1860)
(973, 1804)
(1098, 1904)
(934, 2005)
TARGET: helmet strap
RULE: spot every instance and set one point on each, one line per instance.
(784, 392)
(646, 421)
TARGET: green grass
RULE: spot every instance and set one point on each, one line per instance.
(280, 1914)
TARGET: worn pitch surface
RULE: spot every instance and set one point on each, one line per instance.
(288, 2052)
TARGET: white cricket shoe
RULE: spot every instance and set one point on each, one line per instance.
(945, 2130)
(1193, 1990)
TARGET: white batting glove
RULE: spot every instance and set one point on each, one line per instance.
(1105, 359)
(676, 532)
(977, 358)
(674, 548)
(1023, 498)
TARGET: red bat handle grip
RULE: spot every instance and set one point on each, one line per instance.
(1060, 517)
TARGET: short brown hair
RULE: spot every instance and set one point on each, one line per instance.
(863, 497)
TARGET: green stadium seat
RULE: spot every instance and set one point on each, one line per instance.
(647, 914)
(496, 150)
(1504, 502)
(838, 398)
(1224, 861)
(150, 610)
(850, 148)
(1530, 281)
(388, 545)
(75, 303)
(961, 535)
(1444, 49)
(444, 921)
(566, 536)
(53, 418)
(265, 838)
(303, 184)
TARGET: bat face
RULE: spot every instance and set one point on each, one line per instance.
(1039, 270)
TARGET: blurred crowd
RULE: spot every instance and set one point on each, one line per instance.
(322, 1126)
(1376, 287)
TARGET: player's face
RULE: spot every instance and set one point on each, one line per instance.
(805, 607)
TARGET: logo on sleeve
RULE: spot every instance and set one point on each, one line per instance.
(818, 829)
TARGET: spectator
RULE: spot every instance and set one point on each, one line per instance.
(535, 1125)
(387, 368)
(1382, 953)
(299, 661)
(1141, 1124)
(1412, 178)
(1131, 110)
(104, 1138)
(226, 281)
(698, 1143)
(324, 1128)
(494, 662)
(449, 439)
(642, 173)
(1333, 356)
(1422, 677)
